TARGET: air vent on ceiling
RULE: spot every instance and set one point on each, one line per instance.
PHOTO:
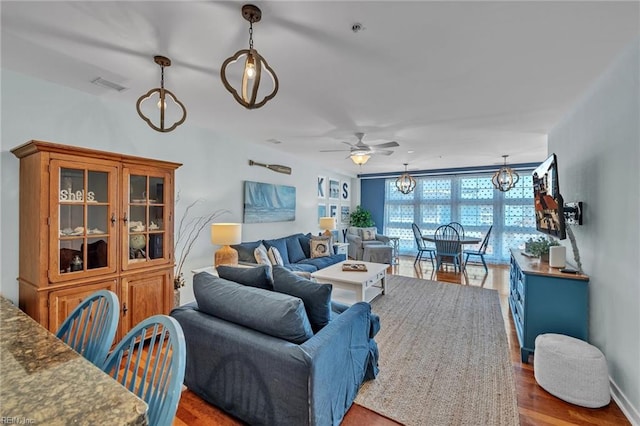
(108, 84)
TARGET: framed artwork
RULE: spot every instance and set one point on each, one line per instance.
(322, 211)
(322, 187)
(333, 210)
(266, 202)
(345, 215)
(334, 189)
(345, 190)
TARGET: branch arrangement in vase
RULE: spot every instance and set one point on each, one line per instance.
(188, 232)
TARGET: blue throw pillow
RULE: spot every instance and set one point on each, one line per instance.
(316, 297)
(295, 249)
(268, 312)
(245, 251)
(281, 245)
(259, 277)
(305, 243)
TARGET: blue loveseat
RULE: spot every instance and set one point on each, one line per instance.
(295, 252)
(271, 358)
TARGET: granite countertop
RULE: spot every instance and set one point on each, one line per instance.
(44, 381)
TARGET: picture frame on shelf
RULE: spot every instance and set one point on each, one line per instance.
(334, 189)
(345, 190)
(322, 187)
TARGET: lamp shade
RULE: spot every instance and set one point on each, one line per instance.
(360, 159)
(225, 234)
(328, 223)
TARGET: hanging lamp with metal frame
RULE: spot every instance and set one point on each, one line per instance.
(505, 178)
(405, 183)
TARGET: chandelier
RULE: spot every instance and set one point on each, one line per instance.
(405, 183)
(505, 178)
(165, 112)
(254, 65)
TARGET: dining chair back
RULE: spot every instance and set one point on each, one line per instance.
(448, 247)
(150, 362)
(91, 326)
(422, 246)
(481, 250)
(458, 227)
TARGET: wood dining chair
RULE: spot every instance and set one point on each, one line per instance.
(480, 252)
(91, 326)
(422, 246)
(448, 247)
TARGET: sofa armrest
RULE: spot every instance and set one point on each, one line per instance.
(354, 239)
(341, 354)
(382, 238)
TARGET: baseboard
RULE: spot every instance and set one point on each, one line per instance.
(628, 410)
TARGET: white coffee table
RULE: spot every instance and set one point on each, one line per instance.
(356, 281)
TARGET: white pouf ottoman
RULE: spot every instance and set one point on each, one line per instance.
(571, 369)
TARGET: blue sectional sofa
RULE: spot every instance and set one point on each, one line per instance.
(271, 358)
(295, 252)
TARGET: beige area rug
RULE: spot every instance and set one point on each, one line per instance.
(444, 356)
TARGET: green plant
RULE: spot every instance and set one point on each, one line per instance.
(361, 218)
(540, 246)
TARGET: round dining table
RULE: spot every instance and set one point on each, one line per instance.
(463, 240)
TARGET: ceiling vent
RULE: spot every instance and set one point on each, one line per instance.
(108, 84)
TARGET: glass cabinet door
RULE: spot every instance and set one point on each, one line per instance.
(146, 217)
(83, 219)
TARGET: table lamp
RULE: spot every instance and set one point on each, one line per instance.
(328, 224)
(225, 234)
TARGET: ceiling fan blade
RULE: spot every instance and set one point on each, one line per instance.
(334, 150)
(348, 143)
(381, 152)
(386, 145)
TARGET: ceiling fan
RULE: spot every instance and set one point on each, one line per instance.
(360, 152)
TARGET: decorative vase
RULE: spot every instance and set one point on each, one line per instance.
(544, 257)
(176, 298)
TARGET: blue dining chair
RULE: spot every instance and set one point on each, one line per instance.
(422, 246)
(150, 362)
(458, 227)
(91, 326)
(480, 252)
(448, 247)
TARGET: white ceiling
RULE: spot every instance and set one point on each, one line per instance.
(458, 83)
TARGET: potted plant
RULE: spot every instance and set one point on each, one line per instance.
(361, 218)
(539, 247)
(188, 232)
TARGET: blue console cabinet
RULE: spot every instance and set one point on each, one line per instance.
(544, 300)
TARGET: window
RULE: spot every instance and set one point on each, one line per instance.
(469, 199)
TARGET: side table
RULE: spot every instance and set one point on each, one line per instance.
(341, 248)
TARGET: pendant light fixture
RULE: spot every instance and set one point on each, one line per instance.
(161, 104)
(254, 66)
(505, 178)
(405, 183)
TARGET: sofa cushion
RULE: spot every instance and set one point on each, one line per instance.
(259, 277)
(261, 255)
(316, 297)
(269, 312)
(245, 251)
(301, 267)
(294, 249)
(323, 262)
(274, 256)
(320, 246)
(281, 245)
(305, 243)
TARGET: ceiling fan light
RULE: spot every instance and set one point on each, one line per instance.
(360, 159)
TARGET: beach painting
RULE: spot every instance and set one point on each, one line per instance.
(266, 202)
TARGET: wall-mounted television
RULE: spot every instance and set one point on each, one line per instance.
(549, 205)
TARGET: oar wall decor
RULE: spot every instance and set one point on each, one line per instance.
(275, 167)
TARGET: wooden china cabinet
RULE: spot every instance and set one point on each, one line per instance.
(92, 220)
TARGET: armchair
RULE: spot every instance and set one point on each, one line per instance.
(359, 238)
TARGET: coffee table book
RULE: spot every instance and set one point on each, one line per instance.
(360, 267)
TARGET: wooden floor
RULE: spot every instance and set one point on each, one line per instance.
(536, 406)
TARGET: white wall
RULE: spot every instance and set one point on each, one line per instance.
(214, 165)
(597, 145)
